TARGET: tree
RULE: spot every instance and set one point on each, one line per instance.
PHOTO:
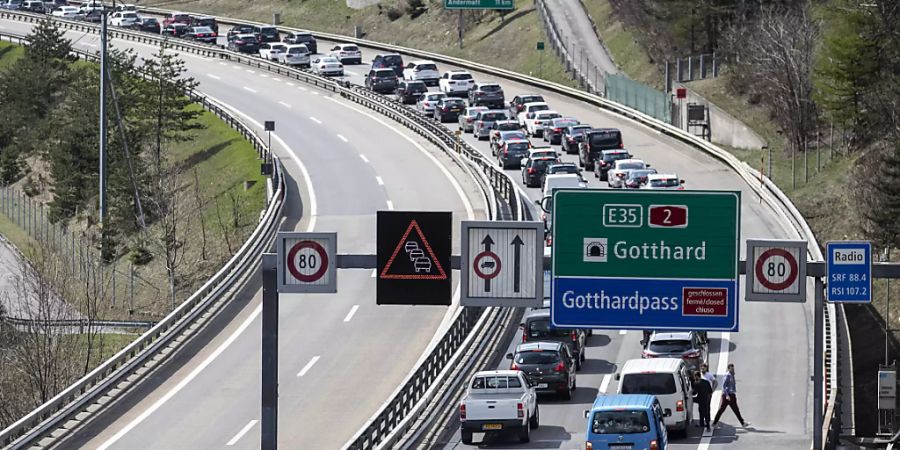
(878, 194)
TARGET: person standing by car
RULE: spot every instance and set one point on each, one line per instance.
(729, 397)
(703, 392)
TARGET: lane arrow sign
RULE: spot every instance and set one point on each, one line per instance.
(517, 269)
(487, 242)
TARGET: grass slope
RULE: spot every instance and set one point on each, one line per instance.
(623, 44)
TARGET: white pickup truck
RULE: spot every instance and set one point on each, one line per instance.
(498, 401)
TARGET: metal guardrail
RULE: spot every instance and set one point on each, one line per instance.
(765, 192)
(78, 323)
(76, 397)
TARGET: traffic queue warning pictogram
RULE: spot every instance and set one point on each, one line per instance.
(413, 258)
(306, 262)
(501, 263)
(776, 270)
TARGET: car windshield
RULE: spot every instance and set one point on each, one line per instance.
(648, 383)
(495, 382)
(426, 67)
(610, 157)
(385, 73)
(432, 97)
(536, 108)
(129, 15)
(670, 346)
(304, 38)
(566, 168)
(547, 154)
(491, 117)
(578, 131)
(490, 88)
(664, 182)
(512, 135)
(543, 163)
(542, 328)
(298, 50)
(509, 126)
(393, 60)
(460, 76)
(206, 22)
(268, 31)
(563, 123)
(181, 17)
(537, 357)
(627, 166)
(532, 99)
(605, 139)
(620, 422)
(455, 102)
(520, 147)
(350, 48)
(474, 111)
(640, 173)
(329, 61)
(547, 116)
(203, 30)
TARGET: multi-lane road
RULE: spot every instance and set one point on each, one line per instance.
(341, 356)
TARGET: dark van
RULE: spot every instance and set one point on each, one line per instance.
(389, 61)
(594, 142)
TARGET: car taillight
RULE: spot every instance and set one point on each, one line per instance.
(469, 119)
(654, 445)
(647, 354)
(559, 367)
(520, 410)
(537, 122)
(574, 336)
(524, 337)
(531, 170)
(557, 130)
(588, 446)
(505, 152)
(462, 411)
(602, 163)
(621, 175)
(513, 366)
(549, 240)
(239, 42)
(692, 354)
(621, 145)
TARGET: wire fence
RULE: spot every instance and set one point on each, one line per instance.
(653, 102)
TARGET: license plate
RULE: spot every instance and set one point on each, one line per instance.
(492, 426)
(542, 386)
(619, 446)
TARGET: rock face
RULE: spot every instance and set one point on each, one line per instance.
(360, 4)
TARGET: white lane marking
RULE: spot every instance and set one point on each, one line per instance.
(379, 180)
(604, 385)
(178, 387)
(315, 120)
(241, 433)
(214, 77)
(470, 213)
(290, 84)
(351, 313)
(308, 366)
(250, 71)
(303, 88)
(350, 73)
(264, 75)
(363, 157)
(390, 205)
(249, 90)
(341, 137)
(374, 273)
(277, 79)
(236, 66)
(315, 93)
(286, 105)
(623, 332)
(222, 63)
(724, 344)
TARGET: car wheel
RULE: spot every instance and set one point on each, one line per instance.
(525, 432)
(536, 419)
(466, 437)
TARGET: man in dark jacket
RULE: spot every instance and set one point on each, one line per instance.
(702, 392)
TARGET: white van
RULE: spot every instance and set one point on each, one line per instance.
(562, 180)
(666, 378)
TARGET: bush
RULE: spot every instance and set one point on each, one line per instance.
(415, 8)
(394, 14)
(140, 256)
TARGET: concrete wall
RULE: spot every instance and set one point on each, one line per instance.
(726, 129)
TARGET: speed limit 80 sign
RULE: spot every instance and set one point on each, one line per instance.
(306, 262)
(776, 271)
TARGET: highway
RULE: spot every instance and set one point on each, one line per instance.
(371, 353)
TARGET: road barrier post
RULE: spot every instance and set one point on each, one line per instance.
(269, 416)
(818, 363)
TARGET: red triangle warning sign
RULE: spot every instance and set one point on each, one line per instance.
(423, 263)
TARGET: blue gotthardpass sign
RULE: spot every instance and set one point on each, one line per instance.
(849, 271)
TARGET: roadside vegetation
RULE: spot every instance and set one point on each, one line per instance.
(184, 192)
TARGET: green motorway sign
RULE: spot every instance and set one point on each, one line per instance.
(645, 259)
(479, 4)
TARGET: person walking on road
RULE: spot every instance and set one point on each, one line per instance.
(729, 398)
(703, 392)
(704, 370)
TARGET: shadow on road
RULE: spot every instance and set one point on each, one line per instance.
(597, 366)
(598, 340)
(544, 437)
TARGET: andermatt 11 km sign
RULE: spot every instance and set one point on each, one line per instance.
(662, 260)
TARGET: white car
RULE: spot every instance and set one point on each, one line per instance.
(456, 82)
(617, 174)
(529, 110)
(664, 181)
(126, 7)
(124, 19)
(347, 53)
(534, 125)
(428, 101)
(425, 71)
(270, 50)
(500, 401)
(327, 65)
(666, 378)
(69, 12)
(295, 55)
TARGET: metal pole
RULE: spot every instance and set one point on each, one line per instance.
(771, 177)
(269, 423)
(103, 87)
(462, 28)
(886, 257)
(818, 364)
(793, 165)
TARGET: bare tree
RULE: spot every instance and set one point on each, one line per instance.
(165, 202)
(199, 203)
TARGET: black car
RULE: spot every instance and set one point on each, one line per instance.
(637, 178)
(244, 43)
(554, 130)
(449, 109)
(595, 141)
(148, 24)
(408, 92)
(549, 366)
(205, 21)
(486, 94)
(94, 16)
(175, 29)
(571, 136)
(536, 326)
(304, 38)
(565, 168)
(202, 34)
(266, 33)
(605, 162)
(510, 153)
(533, 173)
(389, 61)
(382, 80)
(517, 104)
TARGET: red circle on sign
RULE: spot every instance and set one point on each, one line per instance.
(323, 267)
(482, 275)
(792, 274)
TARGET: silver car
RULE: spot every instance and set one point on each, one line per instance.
(428, 101)
(483, 121)
(467, 118)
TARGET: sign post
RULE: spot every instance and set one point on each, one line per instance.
(540, 49)
(502, 264)
(849, 271)
(776, 270)
(662, 260)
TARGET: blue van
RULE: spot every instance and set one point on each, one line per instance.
(625, 422)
